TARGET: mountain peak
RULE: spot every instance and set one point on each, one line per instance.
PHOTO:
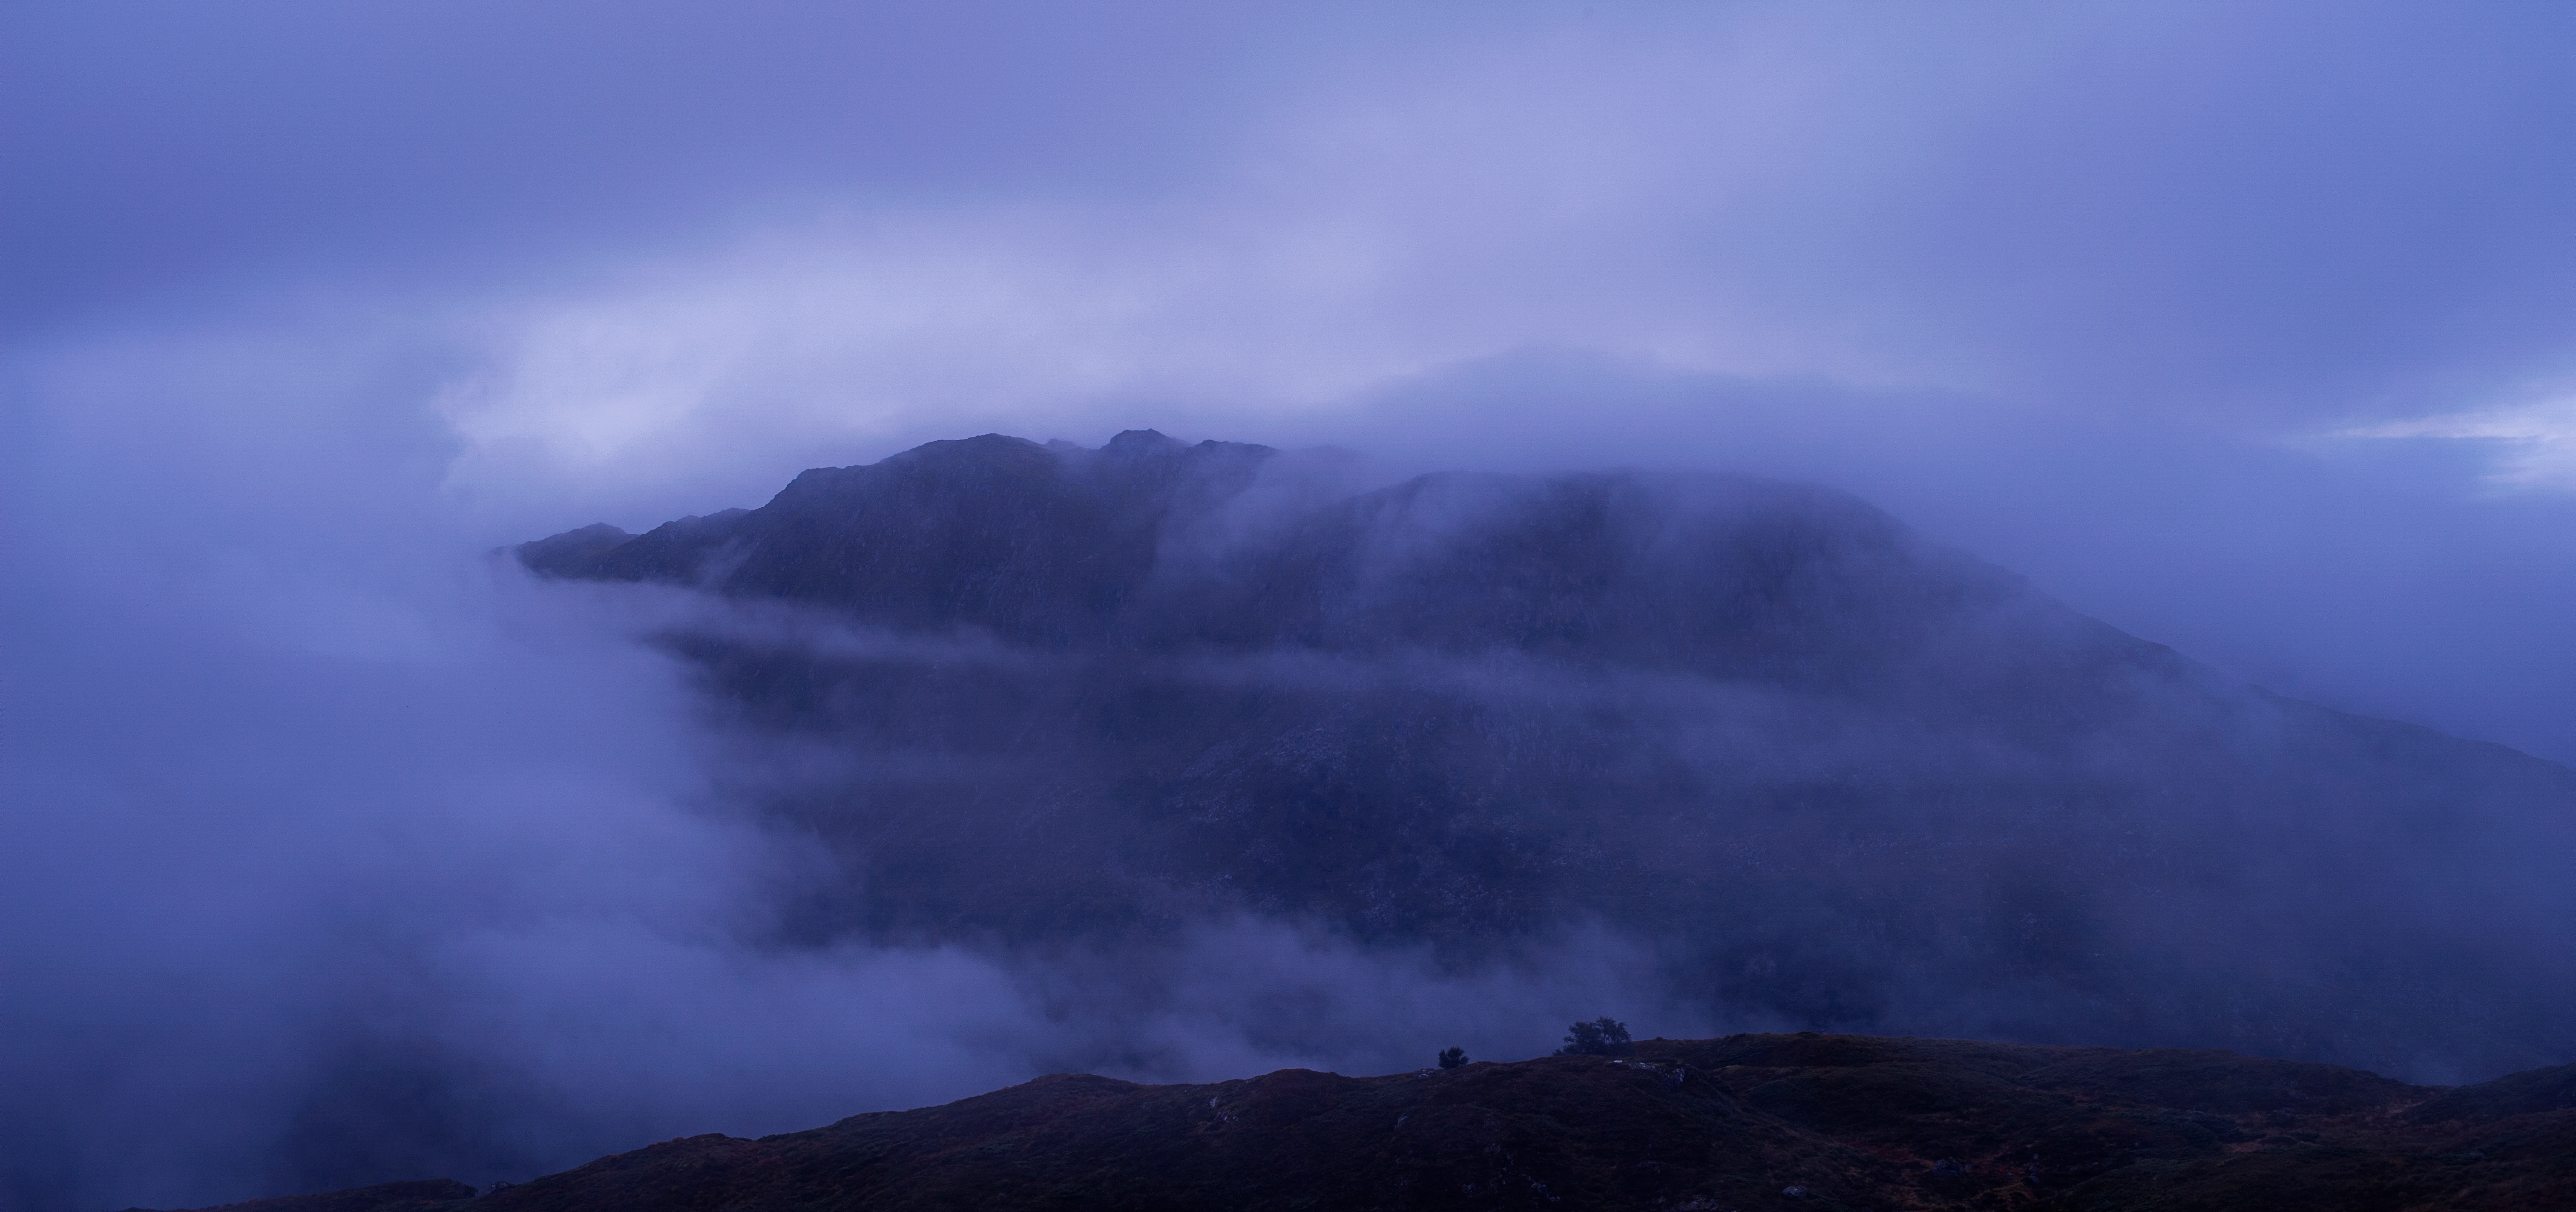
(1137, 443)
(1829, 773)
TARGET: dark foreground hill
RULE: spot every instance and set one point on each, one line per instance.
(1746, 1122)
(1825, 773)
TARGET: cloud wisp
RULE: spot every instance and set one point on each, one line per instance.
(338, 850)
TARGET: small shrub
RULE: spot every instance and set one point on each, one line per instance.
(1451, 1058)
(1600, 1037)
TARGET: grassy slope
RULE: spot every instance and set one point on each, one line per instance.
(1857, 1121)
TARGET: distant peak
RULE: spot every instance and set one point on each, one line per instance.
(1133, 443)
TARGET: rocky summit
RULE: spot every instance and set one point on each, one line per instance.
(1804, 1121)
(1822, 772)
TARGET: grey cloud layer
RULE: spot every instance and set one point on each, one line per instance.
(2218, 207)
(308, 305)
(334, 850)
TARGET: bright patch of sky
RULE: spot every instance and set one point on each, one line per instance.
(2529, 447)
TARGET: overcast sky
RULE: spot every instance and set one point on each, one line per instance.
(2249, 328)
(2243, 326)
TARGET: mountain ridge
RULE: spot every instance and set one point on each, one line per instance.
(1824, 772)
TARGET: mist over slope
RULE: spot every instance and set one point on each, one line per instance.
(1815, 771)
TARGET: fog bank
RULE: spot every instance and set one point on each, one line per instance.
(332, 850)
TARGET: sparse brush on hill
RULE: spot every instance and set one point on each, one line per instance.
(1834, 1122)
(1600, 1037)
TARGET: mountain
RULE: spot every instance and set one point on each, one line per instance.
(1750, 1121)
(1827, 774)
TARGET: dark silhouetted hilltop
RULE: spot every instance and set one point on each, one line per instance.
(1749, 1121)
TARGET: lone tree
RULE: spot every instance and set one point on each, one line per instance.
(1451, 1058)
(1600, 1037)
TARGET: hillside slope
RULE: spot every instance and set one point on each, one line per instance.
(1753, 1121)
(1828, 774)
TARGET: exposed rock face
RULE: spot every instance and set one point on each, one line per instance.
(1829, 772)
(1833, 1122)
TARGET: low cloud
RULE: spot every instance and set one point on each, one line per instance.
(348, 854)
